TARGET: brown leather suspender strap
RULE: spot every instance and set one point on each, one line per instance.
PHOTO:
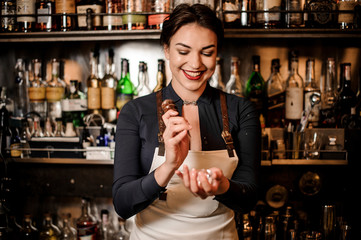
(161, 125)
(226, 135)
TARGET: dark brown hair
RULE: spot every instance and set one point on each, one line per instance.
(184, 14)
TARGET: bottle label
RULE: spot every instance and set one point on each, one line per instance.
(25, 7)
(14, 150)
(112, 21)
(230, 17)
(44, 19)
(107, 97)
(70, 105)
(82, 19)
(156, 19)
(93, 98)
(54, 94)
(315, 114)
(294, 18)
(346, 17)
(36, 94)
(64, 6)
(294, 103)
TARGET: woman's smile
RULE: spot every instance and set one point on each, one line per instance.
(193, 75)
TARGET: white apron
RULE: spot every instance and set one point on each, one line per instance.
(184, 216)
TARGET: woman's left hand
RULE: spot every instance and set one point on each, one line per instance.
(197, 182)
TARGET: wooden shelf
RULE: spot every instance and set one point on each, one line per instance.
(149, 34)
(63, 161)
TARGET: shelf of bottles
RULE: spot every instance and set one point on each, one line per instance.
(55, 21)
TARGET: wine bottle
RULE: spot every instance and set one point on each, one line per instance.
(309, 89)
(93, 83)
(294, 93)
(125, 88)
(347, 98)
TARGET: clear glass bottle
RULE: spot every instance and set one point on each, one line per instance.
(67, 232)
(346, 20)
(55, 90)
(111, 22)
(95, 7)
(25, 7)
(143, 80)
(330, 94)
(269, 19)
(231, 18)
(21, 100)
(247, 227)
(108, 84)
(255, 86)
(66, 21)
(293, 19)
(134, 21)
(275, 96)
(122, 233)
(45, 23)
(93, 83)
(161, 80)
(294, 92)
(37, 90)
(86, 224)
(106, 229)
(28, 231)
(49, 231)
(125, 87)
(216, 79)
(8, 7)
(234, 85)
(309, 89)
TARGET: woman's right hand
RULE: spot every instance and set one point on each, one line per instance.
(176, 143)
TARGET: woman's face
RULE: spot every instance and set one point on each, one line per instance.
(192, 56)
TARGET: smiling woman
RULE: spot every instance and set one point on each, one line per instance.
(185, 178)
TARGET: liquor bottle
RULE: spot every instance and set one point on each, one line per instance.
(159, 11)
(309, 89)
(96, 7)
(234, 85)
(321, 14)
(294, 93)
(293, 19)
(247, 227)
(161, 81)
(49, 230)
(232, 19)
(329, 95)
(125, 87)
(275, 96)
(106, 229)
(66, 19)
(111, 22)
(347, 98)
(345, 20)
(122, 233)
(15, 144)
(5, 134)
(55, 90)
(269, 19)
(86, 224)
(36, 90)
(108, 84)
(143, 80)
(74, 105)
(216, 79)
(93, 83)
(21, 101)
(45, 23)
(28, 231)
(351, 121)
(102, 139)
(134, 21)
(67, 232)
(25, 7)
(8, 7)
(255, 86)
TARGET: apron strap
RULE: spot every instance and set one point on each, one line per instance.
(226, 135)
(161, 124)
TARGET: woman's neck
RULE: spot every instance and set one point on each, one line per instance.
(187, 95)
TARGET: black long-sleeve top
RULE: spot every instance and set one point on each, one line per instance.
(134, 188)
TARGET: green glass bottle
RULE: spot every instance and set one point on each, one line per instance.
(125, 87)
(255, 86)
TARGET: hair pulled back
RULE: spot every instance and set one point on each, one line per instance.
(185, 14)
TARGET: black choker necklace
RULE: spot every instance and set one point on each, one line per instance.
(185, 102)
